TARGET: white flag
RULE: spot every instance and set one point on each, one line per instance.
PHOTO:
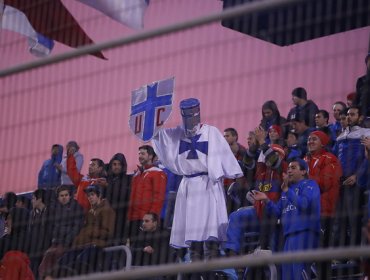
(15, 20)
(127, 12)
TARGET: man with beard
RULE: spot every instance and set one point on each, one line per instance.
(351, 155)
(148, 190)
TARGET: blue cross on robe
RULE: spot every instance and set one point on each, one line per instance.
(193, 146)
(149, 106)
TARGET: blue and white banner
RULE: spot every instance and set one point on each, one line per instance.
(14, 20)
(151, 106)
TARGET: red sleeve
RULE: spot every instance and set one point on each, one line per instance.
(72, 170)
(159, 191)
(329, 173)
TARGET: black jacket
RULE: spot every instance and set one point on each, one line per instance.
(118, 194)
(159, 241)
(68, 220)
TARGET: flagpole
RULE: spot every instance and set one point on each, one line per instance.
(244, 9)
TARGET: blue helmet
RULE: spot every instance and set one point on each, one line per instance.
(190, 112)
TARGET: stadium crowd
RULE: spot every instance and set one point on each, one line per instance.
(301, 182)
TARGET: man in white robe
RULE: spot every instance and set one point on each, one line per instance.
(202, 156)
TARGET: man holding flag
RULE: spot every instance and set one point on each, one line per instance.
(196, 151)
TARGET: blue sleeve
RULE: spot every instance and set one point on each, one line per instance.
(363, 174)
(275, 208)
(335, 149)
(309, 191)
(40, 181)
(368, 206)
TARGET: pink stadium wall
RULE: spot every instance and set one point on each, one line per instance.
(88, 99)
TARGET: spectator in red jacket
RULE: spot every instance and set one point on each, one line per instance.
(148, 190)
(95, 177)
(325, 169)
(15, 265)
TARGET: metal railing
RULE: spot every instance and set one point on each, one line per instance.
(252, 260)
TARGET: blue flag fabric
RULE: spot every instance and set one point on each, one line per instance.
(15, 20)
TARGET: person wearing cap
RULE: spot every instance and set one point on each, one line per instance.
(270, 167)
(363, 91)
(306, 108)
(275, 135)
(299, 211)
(199, 153)
(86, 254)
(325, 169)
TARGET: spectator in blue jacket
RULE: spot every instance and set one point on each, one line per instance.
(364, 180)
(351, 154)
(49, 175)
(299, 211)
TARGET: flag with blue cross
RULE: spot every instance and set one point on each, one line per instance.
(151, 106)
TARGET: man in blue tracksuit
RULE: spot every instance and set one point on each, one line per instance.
(299, 210)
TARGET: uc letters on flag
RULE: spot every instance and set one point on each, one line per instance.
(151, 106)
